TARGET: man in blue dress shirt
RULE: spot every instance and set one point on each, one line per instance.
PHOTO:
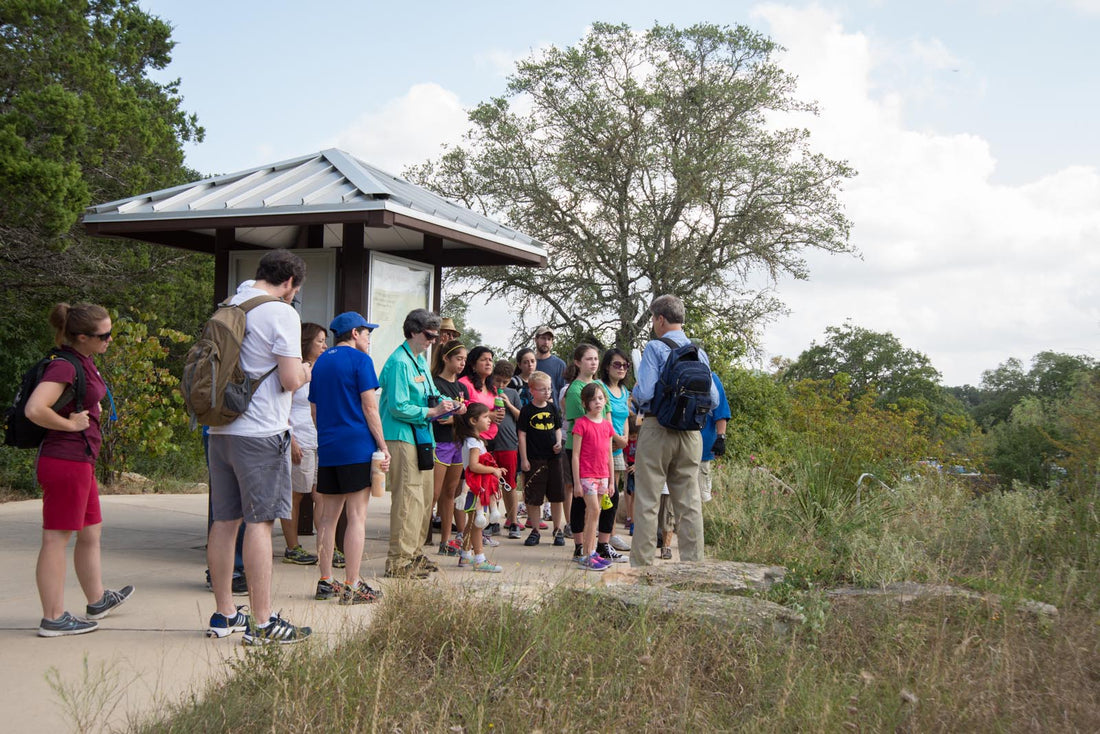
(664, 455)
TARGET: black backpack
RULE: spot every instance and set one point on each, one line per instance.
(681, 397)
(19, 430)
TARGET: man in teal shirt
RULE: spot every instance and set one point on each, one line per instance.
(406, 415)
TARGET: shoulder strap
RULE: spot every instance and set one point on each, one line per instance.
(669, 343)
(80, 382)
(255, 301)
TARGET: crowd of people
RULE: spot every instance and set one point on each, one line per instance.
(464, 442)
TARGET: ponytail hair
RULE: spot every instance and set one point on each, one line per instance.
(69, 322)
(571, 370)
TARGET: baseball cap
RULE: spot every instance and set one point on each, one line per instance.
(544, 329)
(349, 320)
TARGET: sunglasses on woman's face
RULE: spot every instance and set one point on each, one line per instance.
(430, 335)
(102, 337)
(621, 365)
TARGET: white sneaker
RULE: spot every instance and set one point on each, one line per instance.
(619, 544)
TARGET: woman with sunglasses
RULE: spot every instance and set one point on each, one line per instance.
(614, 368)
(66, 471)
(409, 404)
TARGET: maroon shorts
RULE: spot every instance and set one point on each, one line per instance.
(70, 495)
(507, 461)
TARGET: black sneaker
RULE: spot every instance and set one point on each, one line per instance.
(577, 551)
(608, 553)
(533, 538)
(559, 537)
(425, 563)
(223, 626)
(492, 528)
(328, 589)
(65, 625)
(360, 593)
(409, 571)
(277, 630)
(110, 600)
(240, 585)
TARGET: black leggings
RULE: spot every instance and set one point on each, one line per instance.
(607, 517)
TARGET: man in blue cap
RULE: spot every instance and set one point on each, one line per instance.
(344, 394)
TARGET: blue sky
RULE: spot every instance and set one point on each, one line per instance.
(977, 208)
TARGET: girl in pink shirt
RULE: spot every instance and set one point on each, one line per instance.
(593, 468)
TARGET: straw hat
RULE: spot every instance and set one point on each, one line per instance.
(449, 325)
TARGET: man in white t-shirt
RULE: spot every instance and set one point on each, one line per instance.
(250, 457)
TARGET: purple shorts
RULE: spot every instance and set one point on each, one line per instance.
(448, 454)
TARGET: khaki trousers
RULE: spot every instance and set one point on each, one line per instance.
(672, 457)
(411, 495)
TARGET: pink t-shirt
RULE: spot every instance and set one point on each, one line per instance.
(485, 397)
(595, 446)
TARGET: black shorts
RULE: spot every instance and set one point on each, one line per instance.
(544, 482)
(343, 479)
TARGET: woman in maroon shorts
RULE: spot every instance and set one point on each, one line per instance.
(66, 472)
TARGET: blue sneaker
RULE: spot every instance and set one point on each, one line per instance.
(111, 599)
(593, 563)
(223, 626)
(65, 625)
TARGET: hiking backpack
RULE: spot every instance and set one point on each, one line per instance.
(681, 397)
(19, 430)
(215, 388)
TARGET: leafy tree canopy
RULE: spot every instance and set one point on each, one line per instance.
(872, 360)
(648, 163)
(81, 122)
(1052, 376)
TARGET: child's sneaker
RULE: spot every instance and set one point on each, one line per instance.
(489, 541)
(110, 600)
(568, 531)
(299, 556)
(328, 589)
(486, 567)
(338, 560)
(666, 554)
(223, 626)
(450, 548)
(530, 525)
(533, 538)
(593, 563)
(465, 561)
(559, 537)
(65, 625)
(514, 532)
(608, 553)
(277, 630)
(360, 593)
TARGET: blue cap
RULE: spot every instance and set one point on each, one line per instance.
(349, 320)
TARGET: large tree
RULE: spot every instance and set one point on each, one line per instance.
(873, 361)
(81, 122)
(648, 163)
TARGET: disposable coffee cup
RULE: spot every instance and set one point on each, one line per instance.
(377, 476)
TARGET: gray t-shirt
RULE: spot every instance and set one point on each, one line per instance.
(507, 438)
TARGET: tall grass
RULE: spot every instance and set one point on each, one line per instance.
(442, 660)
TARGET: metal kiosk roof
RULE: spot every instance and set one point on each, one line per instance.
(326, 200)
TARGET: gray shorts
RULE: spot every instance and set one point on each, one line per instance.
(250, 477)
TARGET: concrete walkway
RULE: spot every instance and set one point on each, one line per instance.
(152, 652)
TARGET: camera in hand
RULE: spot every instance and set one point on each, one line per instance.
(433, 400)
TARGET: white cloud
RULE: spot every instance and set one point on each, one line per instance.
(406, 130)
(965, 270)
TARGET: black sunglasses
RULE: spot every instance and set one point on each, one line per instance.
(430, 336)
(102, 337)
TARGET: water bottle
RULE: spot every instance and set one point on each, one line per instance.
(377, 476)
(498, 403)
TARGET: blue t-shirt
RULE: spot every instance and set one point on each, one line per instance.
(721, 410)
(340, 376)
(620, 411)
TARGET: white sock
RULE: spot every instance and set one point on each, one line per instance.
(479, 558)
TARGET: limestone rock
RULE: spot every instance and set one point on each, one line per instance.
(720, 577)
(722, 610)
(908, 591)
